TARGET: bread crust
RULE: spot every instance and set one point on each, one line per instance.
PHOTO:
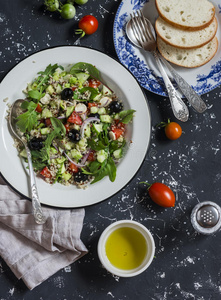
(186, 27)
(189, 67)
(188, 47)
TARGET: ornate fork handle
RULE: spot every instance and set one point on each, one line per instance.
(194, 99)
(36, 205)
(179, 108)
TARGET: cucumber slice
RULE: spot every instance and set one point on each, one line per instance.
(106, 91)
(105, 118)
(82, 77)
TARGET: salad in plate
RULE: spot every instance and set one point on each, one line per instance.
(74, 125)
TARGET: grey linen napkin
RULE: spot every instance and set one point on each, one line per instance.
(35, 252)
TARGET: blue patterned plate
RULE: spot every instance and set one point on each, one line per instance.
(142, 65)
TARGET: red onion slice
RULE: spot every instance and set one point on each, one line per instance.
(86, 122)
(105, 101)
(71, 103)
(85, 157)
(79, 165)
(80, 108)
(83, 116)
(61, 117)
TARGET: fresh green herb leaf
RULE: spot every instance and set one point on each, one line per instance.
(108, 168)
(27, 120)
(126, 115)
(85, 67)
(94, 92)
(51, 136)
(112, 170)
(114, 145)
(100, 175)
(37, 165)
(94, 167)
(44, 75)
(56, 123)
(25, 105)
(96, 145)
(42, 156)
(35, 94)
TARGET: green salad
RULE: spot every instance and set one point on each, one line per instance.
(74, 125)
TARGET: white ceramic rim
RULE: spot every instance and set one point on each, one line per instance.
(126, 88)
(102, 253)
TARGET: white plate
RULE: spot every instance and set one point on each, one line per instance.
(143, 67)
(126, 88)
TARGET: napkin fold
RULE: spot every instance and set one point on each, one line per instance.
(35, 252)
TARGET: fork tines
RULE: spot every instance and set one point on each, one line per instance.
(141, 27)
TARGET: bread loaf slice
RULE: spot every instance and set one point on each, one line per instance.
(189, 58)
(186, 14)
(182, 38)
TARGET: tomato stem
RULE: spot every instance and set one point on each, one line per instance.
(148, 184)
(163, 124)
(80, 31)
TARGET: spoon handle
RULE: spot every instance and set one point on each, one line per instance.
(36, 205)
(194, 99)
(179, 108)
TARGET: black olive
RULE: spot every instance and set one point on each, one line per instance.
(74, 135)
(96, 115)
(67, 94)
(35, 143)
(80, 177)
(115, 106)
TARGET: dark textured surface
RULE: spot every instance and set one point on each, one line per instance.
(186, 265)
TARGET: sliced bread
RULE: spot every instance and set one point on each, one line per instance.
(186, 14)
(189, 58)
(182, 38)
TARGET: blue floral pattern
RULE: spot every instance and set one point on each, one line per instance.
(147, 77)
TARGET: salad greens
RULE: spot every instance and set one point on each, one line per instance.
(29, 119)
(74, 124)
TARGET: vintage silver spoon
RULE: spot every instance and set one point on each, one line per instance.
(36, 205)
(193, 98)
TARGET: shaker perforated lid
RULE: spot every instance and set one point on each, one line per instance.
(206, 217)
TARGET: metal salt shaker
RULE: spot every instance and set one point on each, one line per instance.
(206, 217)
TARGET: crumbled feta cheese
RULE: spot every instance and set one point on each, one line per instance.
(112, 136)
(46, 99)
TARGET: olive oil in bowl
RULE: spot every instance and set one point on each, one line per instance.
(126, 248)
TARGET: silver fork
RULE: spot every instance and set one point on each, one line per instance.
(194, 99)
(147, 41)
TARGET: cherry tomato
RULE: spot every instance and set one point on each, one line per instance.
(73, 168)
(161, 194)
(68, 11)
(67, 127)
(118, 129)
(91, 156)
(173, 130)
(91, 104)
(75, 119)
(87, 25)
(38, 108)
(117, 132)
(93, 83)
(119, 124)
(46, 173)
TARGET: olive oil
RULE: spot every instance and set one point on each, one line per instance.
(126, 248)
